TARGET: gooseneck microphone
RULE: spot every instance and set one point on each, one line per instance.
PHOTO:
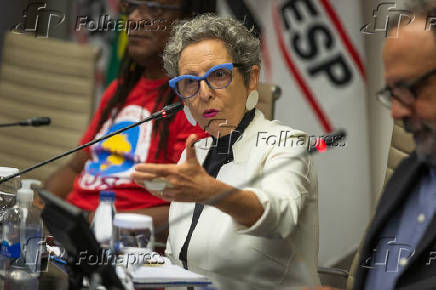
(166, 112)
(34, 122)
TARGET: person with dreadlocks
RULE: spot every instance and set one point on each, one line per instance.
(141, 89)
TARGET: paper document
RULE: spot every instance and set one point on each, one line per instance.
(166, 273)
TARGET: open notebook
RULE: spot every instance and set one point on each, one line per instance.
(167, 273)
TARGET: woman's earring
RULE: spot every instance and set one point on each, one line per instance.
(189, 116)
(252, 100)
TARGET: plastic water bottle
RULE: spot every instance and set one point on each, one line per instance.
(8, 192)
(103, 219)
(31, 226)
(22, 230)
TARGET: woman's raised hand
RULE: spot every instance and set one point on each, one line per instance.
(188, 181)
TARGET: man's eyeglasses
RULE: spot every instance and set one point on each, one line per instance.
(147, 8)
(217, 77)
(405, 92)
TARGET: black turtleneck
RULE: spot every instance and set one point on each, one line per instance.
(219, 154)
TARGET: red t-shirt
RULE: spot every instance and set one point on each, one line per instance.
(112, 160)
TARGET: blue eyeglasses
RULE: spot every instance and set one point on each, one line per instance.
(217, 77)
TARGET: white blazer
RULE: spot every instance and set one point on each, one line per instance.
(281, 249)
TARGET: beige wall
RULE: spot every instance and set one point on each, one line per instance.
(380, 121)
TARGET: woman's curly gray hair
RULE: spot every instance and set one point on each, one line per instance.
(241, 44)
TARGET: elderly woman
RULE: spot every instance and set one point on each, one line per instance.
(260, 236)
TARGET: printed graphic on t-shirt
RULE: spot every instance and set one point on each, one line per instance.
(113, 159)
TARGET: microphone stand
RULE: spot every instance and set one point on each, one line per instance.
(10, 124)
(162, 114)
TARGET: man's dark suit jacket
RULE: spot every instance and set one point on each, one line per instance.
(418, 274)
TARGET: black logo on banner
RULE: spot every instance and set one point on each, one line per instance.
(313, 40)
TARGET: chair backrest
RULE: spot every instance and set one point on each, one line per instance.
(402, 145)
(268, 94)
(44, 77)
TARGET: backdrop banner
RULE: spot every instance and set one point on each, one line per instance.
(313, 50)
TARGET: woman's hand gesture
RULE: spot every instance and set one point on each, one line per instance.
(188, 181)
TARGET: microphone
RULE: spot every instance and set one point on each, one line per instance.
(330, 140)
(34, 122)
(166, 112)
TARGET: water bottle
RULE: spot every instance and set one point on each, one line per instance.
(8, 191)
(22, 230)
(31, 234)
(103, 219)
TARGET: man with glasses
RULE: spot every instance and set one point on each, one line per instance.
(399, 250)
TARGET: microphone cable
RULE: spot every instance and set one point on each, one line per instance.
(162, 114)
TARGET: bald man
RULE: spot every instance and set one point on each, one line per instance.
(399, 249)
